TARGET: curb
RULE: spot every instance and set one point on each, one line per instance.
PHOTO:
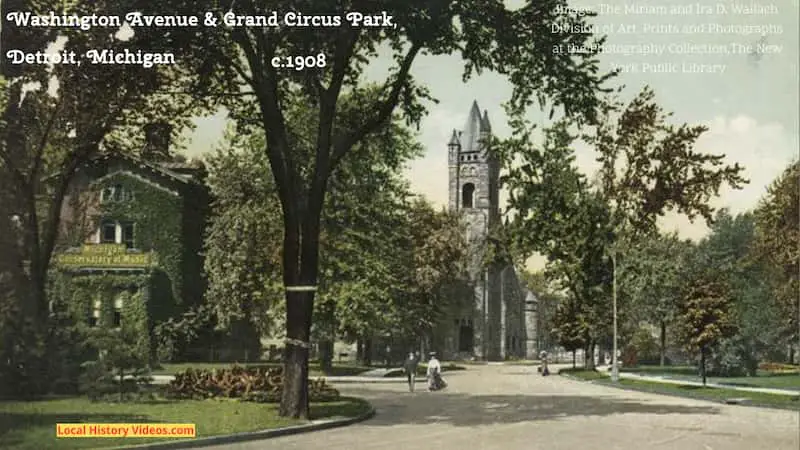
(350, 380)
(728, 401)
(255, 435)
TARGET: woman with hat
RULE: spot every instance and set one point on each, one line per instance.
(435, 381)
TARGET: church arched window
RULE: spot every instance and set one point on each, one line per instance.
(467, 194)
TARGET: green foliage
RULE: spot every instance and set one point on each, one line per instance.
(244, 237)
(157, 216)
(558, 215)
(370, 237)
(654, 276)
(645, 345)
(121, 366)
(705, 314)
(236, 66)
(778, 244)
(81, 293)
(568, 328)
(46, 136)
(728, 250)
(649, 166)
(254, 384)
(55, 119)
(175, 334)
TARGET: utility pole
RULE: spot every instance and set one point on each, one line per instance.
(614, 363)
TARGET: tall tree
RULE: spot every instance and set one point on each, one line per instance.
(439, 255)
(728, 250)
(489, 36)
(654, 280)
(557, 214)
(705, 316)
(649, 167)
(242, 243)
(778, 243)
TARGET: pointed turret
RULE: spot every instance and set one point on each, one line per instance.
(470, 141)
(486, 127)
(454, 142)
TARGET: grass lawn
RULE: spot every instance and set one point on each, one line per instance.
(339, 370)
(776, 380)
(691, 391)
(587, 375)
(31, 425)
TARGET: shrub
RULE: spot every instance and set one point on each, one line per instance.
(778, 367)
(121, 367)
(257, 384)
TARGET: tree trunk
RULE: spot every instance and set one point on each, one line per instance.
(326, 355)
(585, 356)
(573, 358)
(301, 263)
(663, 342)
(703, 364)
(121, 385)
(590, 356)
(294, 401)
(368, 351)
(326, 345)
(360, 351)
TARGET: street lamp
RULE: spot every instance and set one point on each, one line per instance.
(614, 363)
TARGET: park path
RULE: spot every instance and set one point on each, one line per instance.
(513, 408)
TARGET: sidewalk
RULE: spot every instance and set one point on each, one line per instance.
(668, 380)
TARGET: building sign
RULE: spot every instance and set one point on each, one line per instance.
(104, 255)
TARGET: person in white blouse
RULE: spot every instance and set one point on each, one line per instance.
(434, 373)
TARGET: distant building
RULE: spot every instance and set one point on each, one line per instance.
(131, 241)
(498, 323)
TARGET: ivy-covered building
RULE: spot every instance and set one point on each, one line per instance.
(130, 253)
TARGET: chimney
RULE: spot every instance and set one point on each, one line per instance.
(157, 141)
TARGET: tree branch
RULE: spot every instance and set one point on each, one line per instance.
(345, 142)
(37, 161)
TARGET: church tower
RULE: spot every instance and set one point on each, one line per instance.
(474, 174)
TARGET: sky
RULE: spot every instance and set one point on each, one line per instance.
(750, 102)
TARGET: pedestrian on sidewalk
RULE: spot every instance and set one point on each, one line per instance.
(411, 370)
(543, 369)
(435, 381)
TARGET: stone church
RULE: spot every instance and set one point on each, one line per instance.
(501, 324)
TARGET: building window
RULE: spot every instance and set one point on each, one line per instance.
(118, 312)
(106, 195)
(108, 232)
(118, 193)
(467, 194)
(94, 318)
(127, 234)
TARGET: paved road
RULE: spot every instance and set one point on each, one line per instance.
(512, 408)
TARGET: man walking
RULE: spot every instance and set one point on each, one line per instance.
(411, 370)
